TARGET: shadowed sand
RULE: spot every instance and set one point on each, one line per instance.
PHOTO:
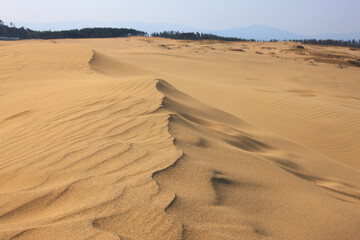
(99, 142)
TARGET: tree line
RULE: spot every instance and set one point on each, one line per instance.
(331, 42)
(205, 36)
(195, 36)
(348, 43)
(26, 33)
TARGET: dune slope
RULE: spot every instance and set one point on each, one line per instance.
(237, 182)
(78, 155)
(284, 91)
(93, 147)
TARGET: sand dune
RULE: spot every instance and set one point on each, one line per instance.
(145, 138)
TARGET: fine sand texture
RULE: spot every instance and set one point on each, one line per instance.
(148, 138)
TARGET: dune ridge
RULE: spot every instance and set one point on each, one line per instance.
(236, 174)
(94, 147)
(84, 170)
(279, 91)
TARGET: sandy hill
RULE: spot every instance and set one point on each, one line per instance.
(145, 138)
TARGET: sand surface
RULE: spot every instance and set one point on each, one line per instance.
(147, 138)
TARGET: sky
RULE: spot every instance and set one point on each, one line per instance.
(308, 17)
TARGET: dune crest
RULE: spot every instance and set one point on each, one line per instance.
(235, 181)
(79, 164)
(113, 68)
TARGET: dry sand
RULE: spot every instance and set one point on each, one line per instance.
(145, 138)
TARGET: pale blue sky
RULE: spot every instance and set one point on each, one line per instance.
(303, 17)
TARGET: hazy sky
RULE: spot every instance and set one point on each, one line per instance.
(303, 17)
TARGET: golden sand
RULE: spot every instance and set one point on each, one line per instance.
(146, 138)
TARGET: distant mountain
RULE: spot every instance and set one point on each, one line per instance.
(257, 32)
(59, 26)
(337, 36)
(260, 32)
